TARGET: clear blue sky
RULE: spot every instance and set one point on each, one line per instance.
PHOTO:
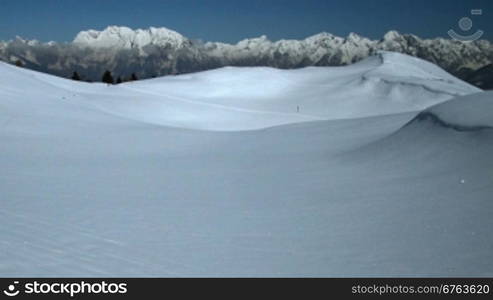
(233, 20)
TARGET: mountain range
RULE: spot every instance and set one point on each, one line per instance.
(161, 51)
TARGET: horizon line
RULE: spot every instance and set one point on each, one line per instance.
(233, 43)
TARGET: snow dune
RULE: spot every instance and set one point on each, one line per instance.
(169, 177)
(474, 111)
(384, 84)
(231, 99)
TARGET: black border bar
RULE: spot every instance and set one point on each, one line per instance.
(254, 288)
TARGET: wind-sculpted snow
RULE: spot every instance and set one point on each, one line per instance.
(235, 98)
(375, 86)
(428, 116)
(469, 110)
(101, 180)
(468, 116)
(467, 113)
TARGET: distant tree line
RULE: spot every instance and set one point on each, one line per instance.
(108, 78)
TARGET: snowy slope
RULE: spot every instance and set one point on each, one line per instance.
(52, 96)
(383, 84)
(251, 98)
(436, 174)
(103, 180)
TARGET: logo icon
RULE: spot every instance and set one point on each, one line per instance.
(465, 24)
(11, 291)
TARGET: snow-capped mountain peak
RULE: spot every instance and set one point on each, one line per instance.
(392, 35)
(354, 37)
(126, 38)
(323, 36)
(21, 40)
(254, 43)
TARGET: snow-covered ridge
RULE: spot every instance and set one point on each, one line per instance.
(435, 119)
(247, 98)
(466, 113)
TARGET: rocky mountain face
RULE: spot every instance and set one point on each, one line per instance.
(482, 77)
(160, 51)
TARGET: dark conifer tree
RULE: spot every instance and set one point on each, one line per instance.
(119, 80)
(75, 76)
(134, 77)
(19, 63)
(107, 77)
